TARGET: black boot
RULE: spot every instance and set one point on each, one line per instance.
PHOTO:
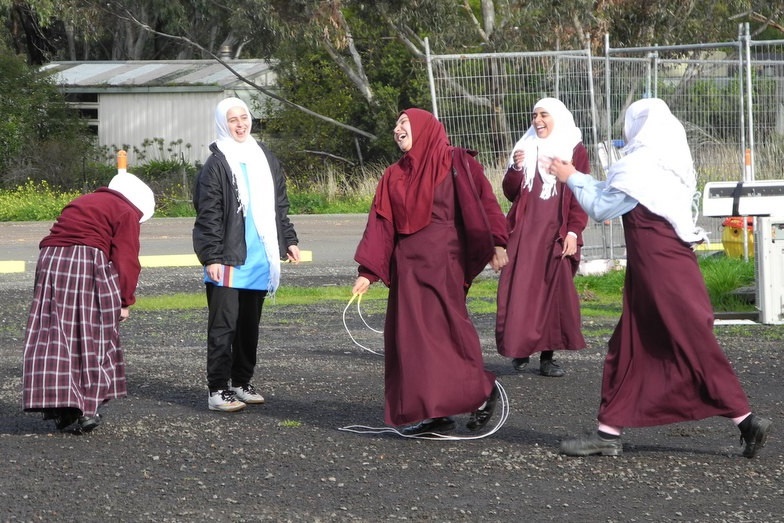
(754, 434)
(430, 426)
(481, 416)
(520, 364)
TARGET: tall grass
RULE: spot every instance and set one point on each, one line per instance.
(724, 276)
(717, 162)
(333, 191)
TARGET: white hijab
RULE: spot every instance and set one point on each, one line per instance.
(136, 191)
(539, 152)
(258, 194)
(657, 168)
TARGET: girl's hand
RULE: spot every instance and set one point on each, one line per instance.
(569, 246)
(361, 285)
(562, 169)
(518, 157)
(500, 258)
(215, 271)
(293, 254)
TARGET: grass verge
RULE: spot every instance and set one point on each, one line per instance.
(600, 296)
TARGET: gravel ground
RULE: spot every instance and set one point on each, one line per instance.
(161, 456)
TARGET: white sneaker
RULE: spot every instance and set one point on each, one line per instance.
(248, 394)
(225, 400)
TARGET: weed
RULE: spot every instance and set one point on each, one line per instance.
(290, 423)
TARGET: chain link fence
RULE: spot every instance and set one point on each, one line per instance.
(729, 97)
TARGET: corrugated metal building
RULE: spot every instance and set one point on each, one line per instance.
(159, 102)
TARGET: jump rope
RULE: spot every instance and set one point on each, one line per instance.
(502, 408)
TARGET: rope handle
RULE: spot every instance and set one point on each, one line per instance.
(358, 297)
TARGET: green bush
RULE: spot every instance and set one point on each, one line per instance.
(33, 201)
(723, 277)
(173, 201)
(38, 201)
(41, 138)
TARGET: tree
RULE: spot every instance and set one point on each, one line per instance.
(40, 137)
(342, 57)
(46, 30)
(359, 61)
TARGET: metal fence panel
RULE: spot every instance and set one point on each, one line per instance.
(485, 102)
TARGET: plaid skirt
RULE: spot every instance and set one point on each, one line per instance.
(72, 354)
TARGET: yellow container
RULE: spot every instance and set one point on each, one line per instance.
(732, 239)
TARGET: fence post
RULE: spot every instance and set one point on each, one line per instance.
(750, 97)
(430, 77)
(608, 95)
(591, 91)
(742, 93)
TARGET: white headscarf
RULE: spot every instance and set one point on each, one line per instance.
(539, 152)
(259, 193)
(657, 168)
(136, 191)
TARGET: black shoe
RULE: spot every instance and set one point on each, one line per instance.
(65, 417)
(480, 417)
(550, 369)
(430, 426)
(755, 436)
(88, 423)
(590, 445)
(520, 364)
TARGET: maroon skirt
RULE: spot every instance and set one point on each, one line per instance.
(72, 354)
(664, 364)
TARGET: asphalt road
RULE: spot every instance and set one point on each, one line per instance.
(161, 456)
(331, 238)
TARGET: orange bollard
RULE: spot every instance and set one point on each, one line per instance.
(122, 161)
(747, 164)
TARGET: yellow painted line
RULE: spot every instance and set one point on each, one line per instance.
(170, 260)
(190, 260)
(7, 267)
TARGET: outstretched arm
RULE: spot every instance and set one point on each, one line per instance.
(599, 201)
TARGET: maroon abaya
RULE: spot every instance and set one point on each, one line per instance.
(433, 356)
(433, 227)
(538, 306)
(664, 364)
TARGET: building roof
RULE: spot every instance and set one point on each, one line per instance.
(160, 75)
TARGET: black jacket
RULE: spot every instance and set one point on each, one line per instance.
(219, 231)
